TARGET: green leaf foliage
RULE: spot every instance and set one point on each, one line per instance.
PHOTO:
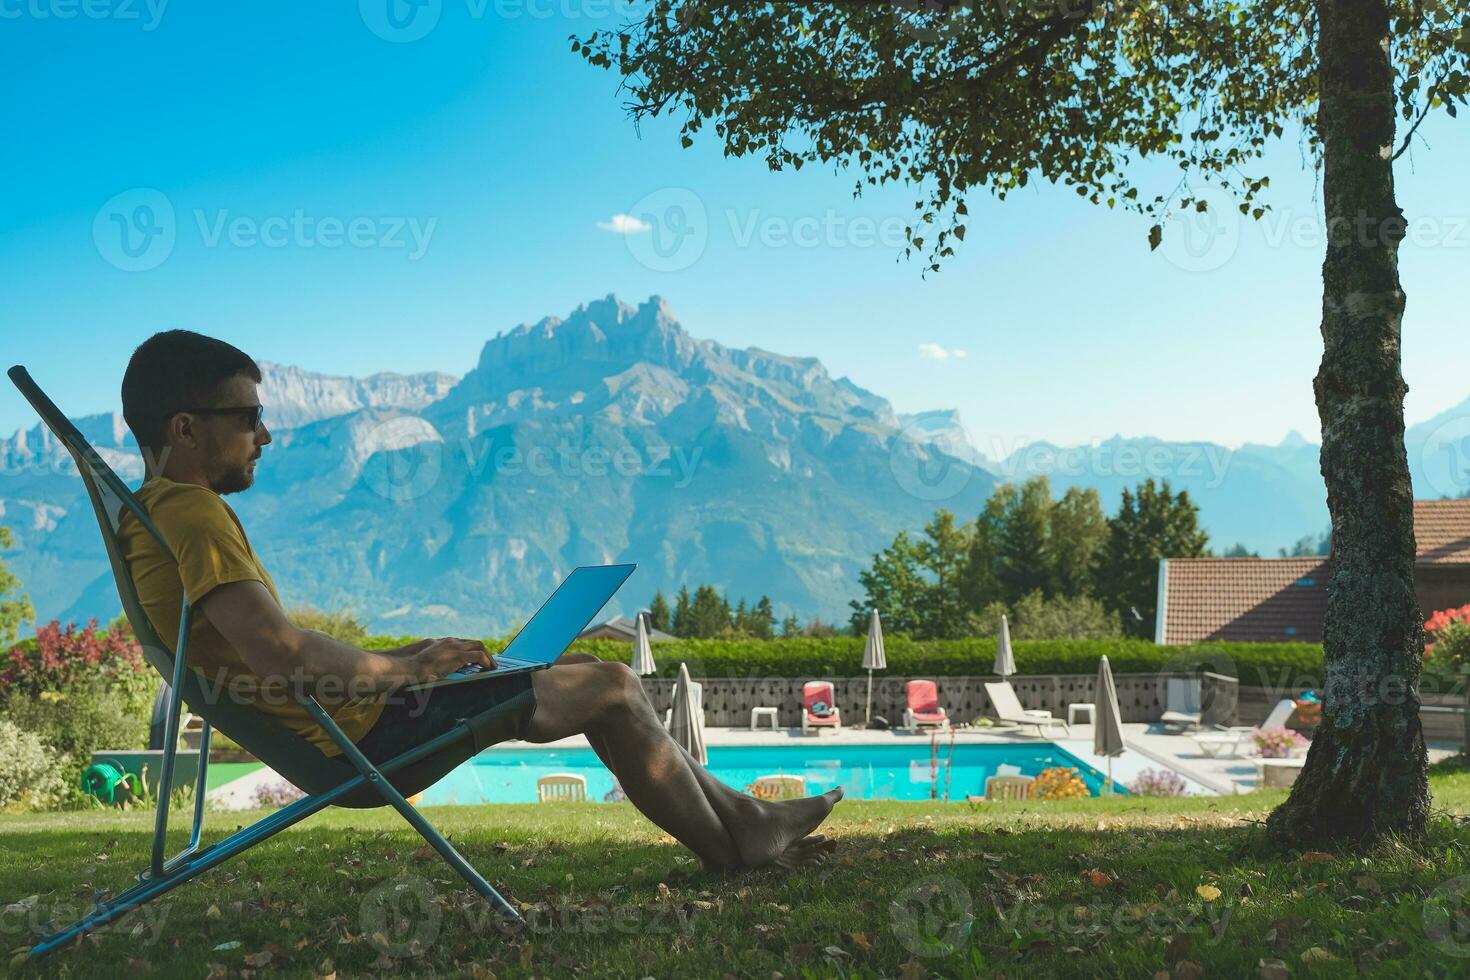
(957, 97)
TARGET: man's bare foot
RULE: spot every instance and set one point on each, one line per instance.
(809, 850)
(768, 830)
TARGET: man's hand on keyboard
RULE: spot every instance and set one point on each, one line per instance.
(445, 656)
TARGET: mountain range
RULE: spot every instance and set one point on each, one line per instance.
(435, 504)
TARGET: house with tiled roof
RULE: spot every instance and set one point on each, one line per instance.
(1271, 600)
(623, 628)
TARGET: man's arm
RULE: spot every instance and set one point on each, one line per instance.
(251, 621)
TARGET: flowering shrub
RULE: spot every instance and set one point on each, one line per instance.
(1449, 635)
(1445, 617)
(1277, 742)
(1059, 783)
(275, 794)
(62, 659)
(1158, 782)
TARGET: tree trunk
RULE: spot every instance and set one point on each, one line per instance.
(1365, 774)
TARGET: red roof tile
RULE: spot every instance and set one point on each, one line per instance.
(1442, 529)
(1249, 599)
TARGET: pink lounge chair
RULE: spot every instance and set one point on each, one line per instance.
(923, 706)
(815, 693)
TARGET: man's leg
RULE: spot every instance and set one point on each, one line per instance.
(606, 702)
(731, 804)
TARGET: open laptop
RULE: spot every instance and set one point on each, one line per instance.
(556, 624)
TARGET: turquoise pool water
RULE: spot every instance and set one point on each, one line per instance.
(868, 772)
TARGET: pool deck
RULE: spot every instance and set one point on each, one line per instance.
(1148, 747)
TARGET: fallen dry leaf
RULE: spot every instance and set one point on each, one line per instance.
(1317, 857)
(1272, 970)
(1316, 954)
(1207, 892)
(1188, 970)
(861, 941)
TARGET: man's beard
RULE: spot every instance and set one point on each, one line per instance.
(234, 480)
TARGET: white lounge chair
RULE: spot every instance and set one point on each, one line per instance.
(1214, 744)
(1008, 708)
(1182, 703)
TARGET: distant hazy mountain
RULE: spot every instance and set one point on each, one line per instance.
(435, 506)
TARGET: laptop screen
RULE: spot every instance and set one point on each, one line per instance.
(567, 613)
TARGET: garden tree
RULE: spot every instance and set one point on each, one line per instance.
(1079, 529)
(1238, 550)
(1151, 523)
(709, 614)
(790, 626)
(979, 586)
(942, 554)
(659, 616)
(984, 95)
(1076, 617)
(683, 622)
(1023, 555)
(15, 611)
(894, 586)
(762, 623)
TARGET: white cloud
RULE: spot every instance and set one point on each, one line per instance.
(625, 224)
(934, 352)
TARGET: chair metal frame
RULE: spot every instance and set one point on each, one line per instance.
(166, 873)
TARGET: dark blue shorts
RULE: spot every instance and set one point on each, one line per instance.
(410, 720)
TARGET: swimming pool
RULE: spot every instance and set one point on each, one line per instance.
(866, 772)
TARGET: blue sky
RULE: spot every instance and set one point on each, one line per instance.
(273, 130)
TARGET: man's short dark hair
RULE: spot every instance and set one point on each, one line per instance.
(172, 371)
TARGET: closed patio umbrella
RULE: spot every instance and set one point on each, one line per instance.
(1107, 728)
(643, 650)
(873, 657)
(686, 724)
(1005, 659)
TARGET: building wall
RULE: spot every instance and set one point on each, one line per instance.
(1442, 587)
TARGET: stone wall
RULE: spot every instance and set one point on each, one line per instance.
(727, 701)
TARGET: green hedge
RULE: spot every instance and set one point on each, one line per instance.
(1257, 664)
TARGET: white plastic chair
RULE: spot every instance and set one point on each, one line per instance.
(561, 787)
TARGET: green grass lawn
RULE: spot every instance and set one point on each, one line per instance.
(1126, 887)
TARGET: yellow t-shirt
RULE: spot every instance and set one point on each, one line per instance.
(211, 549)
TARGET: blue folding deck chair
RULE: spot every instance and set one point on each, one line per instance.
(347, 780)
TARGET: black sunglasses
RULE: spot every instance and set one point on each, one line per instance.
(253, 413)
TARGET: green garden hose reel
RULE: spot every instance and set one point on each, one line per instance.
(108, 782)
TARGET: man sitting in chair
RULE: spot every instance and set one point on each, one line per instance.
(193, 406)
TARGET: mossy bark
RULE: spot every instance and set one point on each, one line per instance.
(1365, 774)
